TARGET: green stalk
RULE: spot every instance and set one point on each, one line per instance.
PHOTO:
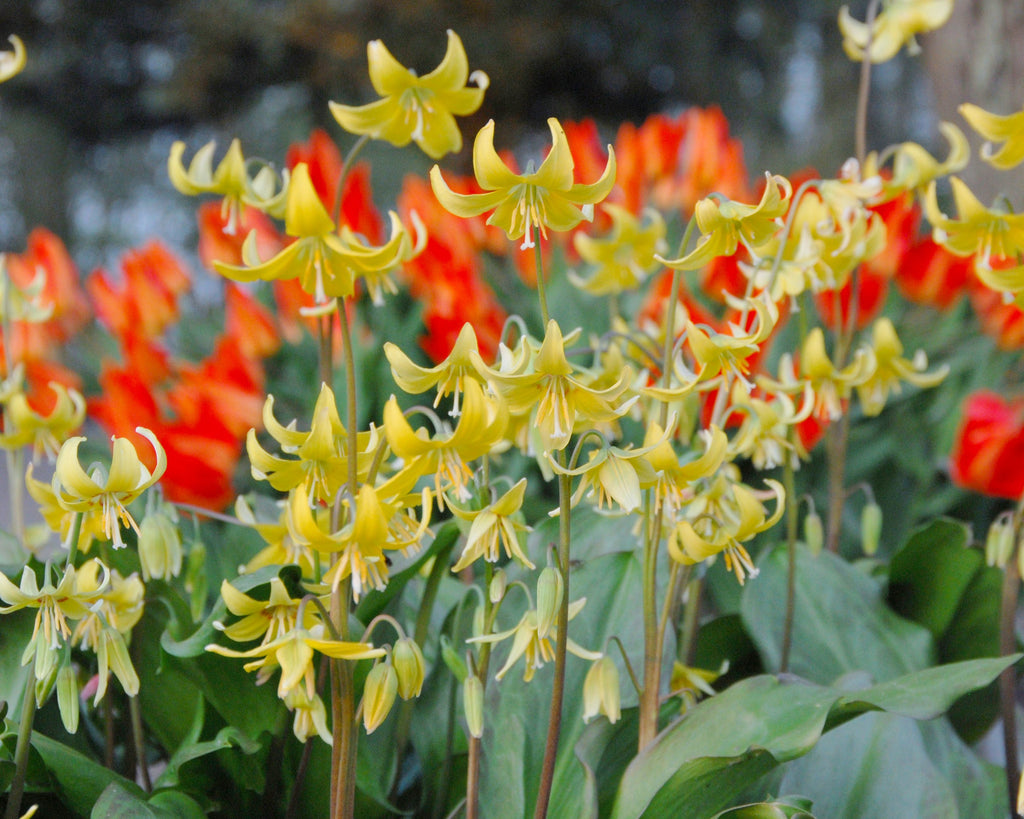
(789, 482)
(21, 751)
(650, 692)
(475, 744)
(1008, 678)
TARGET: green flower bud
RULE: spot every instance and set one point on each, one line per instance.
(549, 599)
(499, 583)
(378, 695)
(814, 533)
(67, 697)
(159, 547)
(870, 527)
(999, 542)
(410, 668)
(452, 659)
(473, 705)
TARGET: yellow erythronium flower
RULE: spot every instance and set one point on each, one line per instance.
(56, 604)
(691, 684)
(107, 492)
(894, 26)
(613, 475)
(1008, 129)
(230, 179)
(625, 257)
(526, 641)
(480, 428)
(724, 515)
(979, 230)
(542, 199)
(264, 620)
(417, 109)
(891, 368)
(557, 396)
(325, 262)
(322, 465)
(493, 526)
(765, 434)
(281, 548)
(718, 353)
(23, 303)
(913, 167)
(449, 376)
(45, 433)
(59, 519)
(12, 62)
(724, 224)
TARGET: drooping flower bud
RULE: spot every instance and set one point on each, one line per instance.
(160, 550)
(379, 695)
(496, 591)
(814, 533)
(67, 697)
(601, 691)
(410, 667)
(473, 704)
(870, 527)
(550, 589)
(999, 542)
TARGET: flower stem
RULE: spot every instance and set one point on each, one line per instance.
(139, 740)
(649, 694)
(1008, 678)
(789, 482)
(558, 688)
(21, 751)
(863, 90)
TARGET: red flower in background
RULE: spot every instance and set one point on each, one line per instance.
(988, 453)
(930, 274)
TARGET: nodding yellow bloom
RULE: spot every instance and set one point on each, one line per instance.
(230, 179)
(264, 620)
(913, 167)
(106, 491)
(45, 433)
(894, 26)
(601, 691)
(718, 353)
(12, 62)
(325, 262)
(724, 224)
(56, 604)
(979, 230)
(281, 549)
(496, 525)
(625, 257)
(310, 715)
(725, 514)
(673, 488)
(416, 109)
(556, 396)
(764, 436)
(449, 376)
(691, 684)
(545, 198)
(527, 642)
(891, 368)
(1006, 129)
(322, 452)
(445, 456)
(614, 476)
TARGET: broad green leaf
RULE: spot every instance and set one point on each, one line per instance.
(15, 633)
(78, 780)
(841, 621)
(118, 803)
(700, 763)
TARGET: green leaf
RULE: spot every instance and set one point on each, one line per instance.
(79, 781)
(698, 765)
(841, 621)
(15, 633)
(118, 803)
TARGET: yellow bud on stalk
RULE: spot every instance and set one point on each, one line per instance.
(499, 583)
(473, 704)
(999, 542)
(870, 527)
(379, 695)
(160, 550)
(601, 691)
(549, 598)
(410, 668)
(814, 534)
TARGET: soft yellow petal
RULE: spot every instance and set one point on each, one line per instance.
(305, 214)
(490, 171)
(453, 70)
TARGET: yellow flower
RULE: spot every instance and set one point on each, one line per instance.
(601, 691)
(718, 353)
(541, 199)
(764, 436)
(108, 492)
(449, 376)
(56, 604)
(45, 433)
(555, 394)
(691, 684)
(1009, 130)
(325, 262)
(527, 642)
(625, 257)
(986, 232)
(59, 519)
(674, 480)
(230, 180)
(613, 475)
(495, 525)
(894, 26)
(725, 514)
(913, 167)
(266, 620)
(724, 224)
(418, 109)
(310, 715)
(446, 455)
(281, 548)
(12, 62)
(23, 303)
(891, 368)
(322, 465)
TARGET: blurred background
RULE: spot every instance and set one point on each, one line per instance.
(85, 130)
